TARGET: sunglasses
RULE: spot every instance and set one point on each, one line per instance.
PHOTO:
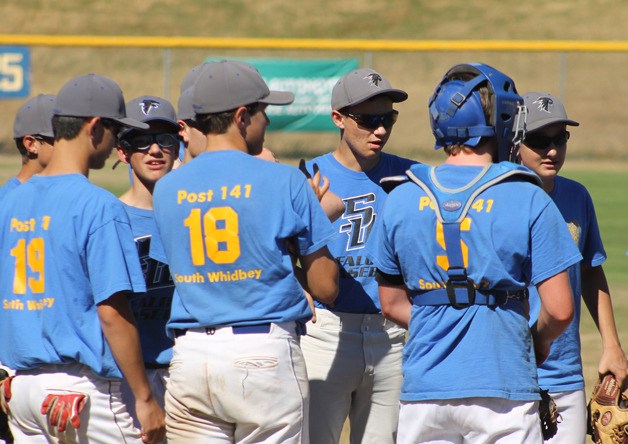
(144, 141)
(45, 139)
(541, 142)
(374, 121)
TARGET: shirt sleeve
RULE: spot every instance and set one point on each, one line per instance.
(112, 260)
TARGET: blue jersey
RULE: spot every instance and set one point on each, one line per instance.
(562, 371)
(363, 198)
(224, 221)
(512, 235)
(9, 185)
(151, 309)
(67, 246)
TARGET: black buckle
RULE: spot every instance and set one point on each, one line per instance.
(451, 287)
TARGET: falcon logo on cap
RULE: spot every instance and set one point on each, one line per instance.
(544, 103)
(148, 105)
(374, 79)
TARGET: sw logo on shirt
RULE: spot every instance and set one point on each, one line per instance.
(361, 217)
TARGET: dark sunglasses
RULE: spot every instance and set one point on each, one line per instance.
(374, 121)
(143, 142)
(45, 139)
(541, 142)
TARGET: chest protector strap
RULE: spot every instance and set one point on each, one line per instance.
(451, 207)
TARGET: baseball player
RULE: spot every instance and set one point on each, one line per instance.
(543, 151)
(66, 324)
(151, 154)
(193, 139)
(456, 246)
(32, 132)
(237, 372)
(353, 354)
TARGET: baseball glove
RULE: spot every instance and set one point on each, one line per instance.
(62, 408)
(607, 420)
(549, 415)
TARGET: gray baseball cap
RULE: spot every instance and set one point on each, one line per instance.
(544, 109)
(34, 117)
(228, 84)
(92, 95)
(190, 77)
(361, 84)
(185, 110)
(148, 109)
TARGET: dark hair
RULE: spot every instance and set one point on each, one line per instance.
(26, 155)
(67, 127)
(218, 123)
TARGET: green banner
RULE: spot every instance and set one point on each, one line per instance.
(311, 81)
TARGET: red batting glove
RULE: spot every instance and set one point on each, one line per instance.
(61, 407)
(5, 394)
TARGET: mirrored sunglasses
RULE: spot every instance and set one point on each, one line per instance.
(541, 142)
(374, 121)
(143, 142)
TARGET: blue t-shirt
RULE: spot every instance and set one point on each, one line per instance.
(151, 309)
(9, 185)
(363, 198)
(512, 235)
(67, 247)
(224, 220)
(562, 371)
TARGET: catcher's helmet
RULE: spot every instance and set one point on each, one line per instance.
(456, 113)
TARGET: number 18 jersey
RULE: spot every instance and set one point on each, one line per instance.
(224, 221)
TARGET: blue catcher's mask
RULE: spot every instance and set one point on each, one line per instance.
(456, 114)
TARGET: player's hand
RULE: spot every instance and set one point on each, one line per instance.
(614, 361)
(332, 204)
(5, 390)
(310, 302)
(152, 421)
(319, 186)
(63, 407)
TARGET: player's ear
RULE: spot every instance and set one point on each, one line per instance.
(123, 155)
(337, 118)
(31, 146)
(95, 129)
(183, 131)
(241, 117)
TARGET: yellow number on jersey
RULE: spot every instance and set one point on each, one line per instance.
(33, 256)
(442, 259)
(217, 236)
(227, 235)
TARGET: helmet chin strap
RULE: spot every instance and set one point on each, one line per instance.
(519, 132)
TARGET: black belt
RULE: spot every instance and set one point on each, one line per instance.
(237, 330)
(154, 366)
